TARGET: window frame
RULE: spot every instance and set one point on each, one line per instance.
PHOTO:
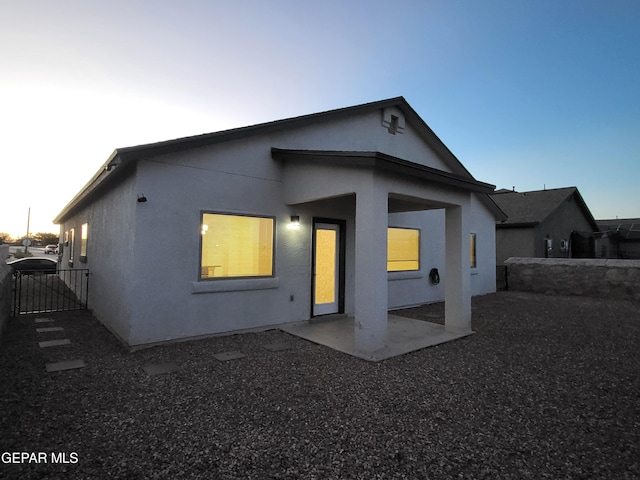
(72, 243)
(473, 250)
(419, 260)
(84, 235)
(243, 277)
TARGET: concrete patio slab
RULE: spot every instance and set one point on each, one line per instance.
(277, 347)
(49, 329)
(54, 343)
(404, 335)
(44, 320)
(66, 365)
(161, 368)
(232, 355)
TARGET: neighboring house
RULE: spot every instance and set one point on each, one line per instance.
(553, 223)
(618, 238)
(345, 211)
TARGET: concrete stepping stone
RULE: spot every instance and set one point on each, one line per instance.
(65, 365)
(44, 320)
(232, 355)
(54, 343)
(160, 368)
(49, 329)
(277, 347)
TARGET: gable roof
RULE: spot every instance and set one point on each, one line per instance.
(411, 116)
(122, 157)
(528, 209)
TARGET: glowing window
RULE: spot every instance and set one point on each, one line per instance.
(84, 231)
(472, 250)
(236, 246)
(72, 244)
(403, 249)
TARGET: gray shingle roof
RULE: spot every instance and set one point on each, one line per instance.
(531, 208)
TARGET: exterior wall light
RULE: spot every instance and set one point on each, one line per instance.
(142, 198)
(295, 222)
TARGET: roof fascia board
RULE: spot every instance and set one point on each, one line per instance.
(385, 162)
(517, 225)
(195, 141)
(106, 171)
(493, 207)
(411, 116)
(587, 212)
(432, 139)
(133, 153)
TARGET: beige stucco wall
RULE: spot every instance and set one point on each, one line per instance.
(110, 254)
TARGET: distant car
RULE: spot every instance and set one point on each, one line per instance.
(34, 265)
(51, 249)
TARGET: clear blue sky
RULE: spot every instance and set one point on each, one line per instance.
(528, 93)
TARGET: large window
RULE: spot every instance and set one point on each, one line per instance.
(472, 250)
(403, 249)
(236, 246)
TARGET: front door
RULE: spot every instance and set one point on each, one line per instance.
(326, 268)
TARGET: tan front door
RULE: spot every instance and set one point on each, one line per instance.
(326, 259)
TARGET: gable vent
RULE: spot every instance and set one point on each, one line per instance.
(393, 120)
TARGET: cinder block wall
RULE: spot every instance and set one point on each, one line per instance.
(575, 276)
(5, 288)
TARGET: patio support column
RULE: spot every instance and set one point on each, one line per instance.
(457, 294)
(371, 302)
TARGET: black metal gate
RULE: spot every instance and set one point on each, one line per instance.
(53, 292)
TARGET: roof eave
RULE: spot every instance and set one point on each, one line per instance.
(112, 167)
(385, 162)
(517, 225)
(133, 153)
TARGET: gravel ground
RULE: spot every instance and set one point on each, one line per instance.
(548, 387)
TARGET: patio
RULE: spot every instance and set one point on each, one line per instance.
(404, 335)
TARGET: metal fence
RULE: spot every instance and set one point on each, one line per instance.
(42, 293)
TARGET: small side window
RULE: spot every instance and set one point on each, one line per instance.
(72, 240)
(472, 251)
(84, 232)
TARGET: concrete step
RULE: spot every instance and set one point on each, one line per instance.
(65, 365)
(54, 343)
(44, 320)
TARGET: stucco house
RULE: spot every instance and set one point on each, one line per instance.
(554, 223)
(347, 211)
